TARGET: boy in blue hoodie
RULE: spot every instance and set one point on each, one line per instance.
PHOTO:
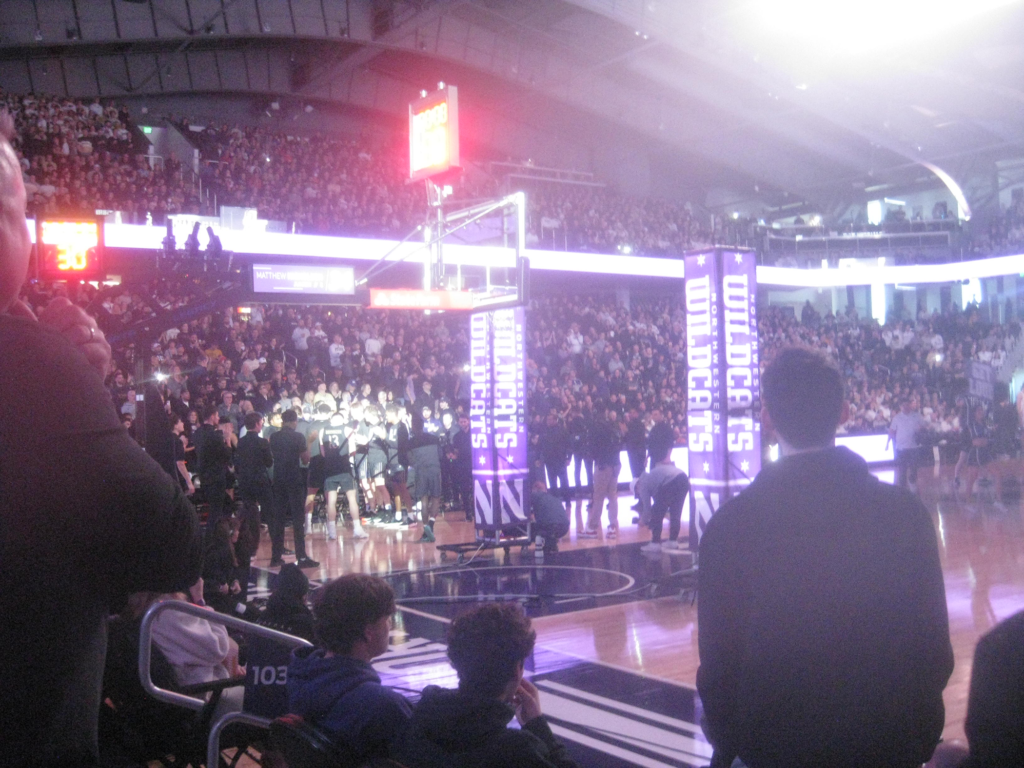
(333, 686)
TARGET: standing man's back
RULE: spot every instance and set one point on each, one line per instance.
(86, 517)
(824, 638)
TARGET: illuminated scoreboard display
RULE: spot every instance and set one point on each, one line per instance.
(434, 134)
(70, 250)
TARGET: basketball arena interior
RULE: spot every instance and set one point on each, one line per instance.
(466, 297)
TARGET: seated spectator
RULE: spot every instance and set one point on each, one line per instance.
(199, 651)
(468, 726)
(286, 609)
(995, 708)
(220, 567)
(551, 519)
(333, 686)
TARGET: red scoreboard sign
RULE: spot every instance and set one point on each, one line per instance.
(70, 250)
(434, 134)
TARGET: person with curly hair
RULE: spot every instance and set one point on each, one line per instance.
(487, 646)
(333, 686)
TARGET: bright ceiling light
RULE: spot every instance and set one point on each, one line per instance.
(861, 28)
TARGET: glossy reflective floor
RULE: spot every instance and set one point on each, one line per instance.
(617, 653)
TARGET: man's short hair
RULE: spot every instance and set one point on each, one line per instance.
(252, 420)
(290, 416)
(346, 606)
(487, 643)
(209, 412)
(803, 392)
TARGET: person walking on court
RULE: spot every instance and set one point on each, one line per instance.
(905, 434)
(824, 638)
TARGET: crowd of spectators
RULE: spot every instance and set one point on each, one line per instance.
(321, 184)
(587, 218)
(586, 355)
(926, 358)
(81, 156)
(78, 157)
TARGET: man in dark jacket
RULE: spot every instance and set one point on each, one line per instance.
(556, 447)
(462, 466)
(467, 727)
(995, 708)
(213, 457)
(333, 686)
(824, 638)
(289, 450)
(253, 460)
(86, 517)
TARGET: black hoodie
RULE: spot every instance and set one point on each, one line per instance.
(452, 729)
(824, 638)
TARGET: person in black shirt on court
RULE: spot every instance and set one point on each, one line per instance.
(213, 455)
(289, 450)
(425, 462)
(334, 444)
(462, 466)
(398, 461)
(556, 447)
(253, 460)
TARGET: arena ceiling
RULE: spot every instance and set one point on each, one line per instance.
(690, 85)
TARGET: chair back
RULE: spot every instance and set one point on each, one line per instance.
(305, 746)
(266, 677)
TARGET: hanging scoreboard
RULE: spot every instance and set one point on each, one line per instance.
(723, 380)
(497, 413)
(434, 134)
(70, 249)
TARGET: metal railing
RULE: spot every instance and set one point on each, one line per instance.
(193, 702)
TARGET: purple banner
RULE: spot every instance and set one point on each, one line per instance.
(722, 407)
(497, 412)
(742, 371)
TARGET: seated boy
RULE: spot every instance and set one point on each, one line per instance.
(468, 726)
(333, 686)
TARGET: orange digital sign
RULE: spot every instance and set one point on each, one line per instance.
(70, 250)
(434, 134)
(400, 298)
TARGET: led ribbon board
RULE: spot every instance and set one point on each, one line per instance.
(70, 250)
(497, 413)
(723, 380)
(434, 134)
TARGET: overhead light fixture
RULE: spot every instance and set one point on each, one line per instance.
(870, 26)
(894, 201)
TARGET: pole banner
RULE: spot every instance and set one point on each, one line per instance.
(742, 368)
(704, 422)
(497, 412)
(723, 380)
